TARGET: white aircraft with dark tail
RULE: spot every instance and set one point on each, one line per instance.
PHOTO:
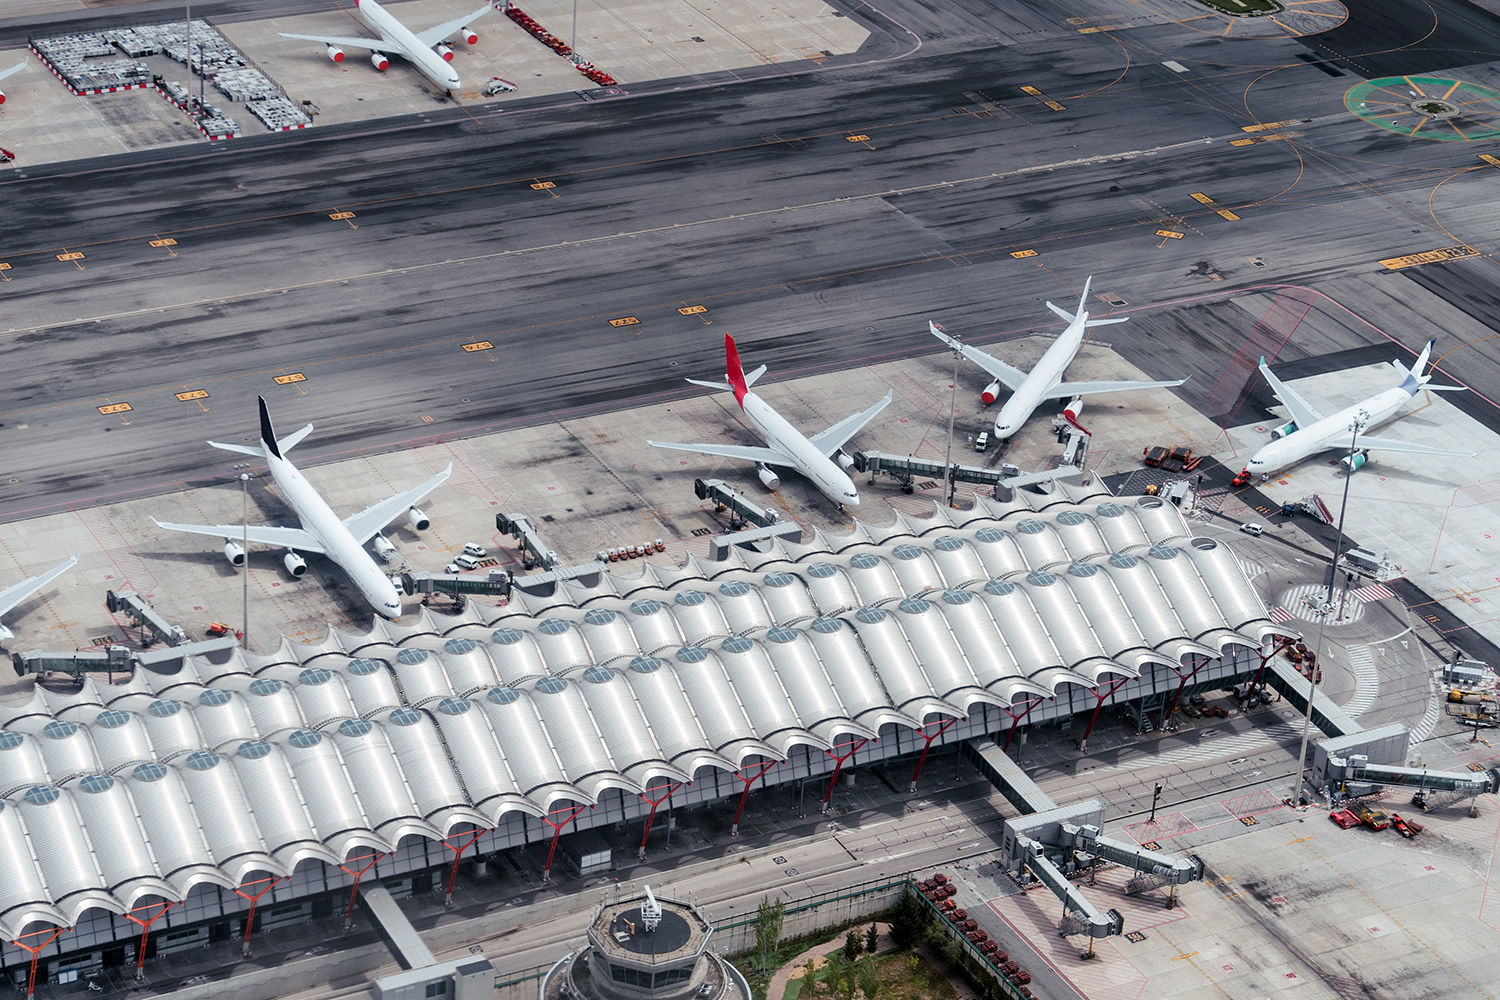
(1045, 381)
(321, 533)
(11, 72)
(788, 448)
(1310, 433)
(16, 593)
(427, 50)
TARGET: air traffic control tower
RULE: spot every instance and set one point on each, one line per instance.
(646, 948)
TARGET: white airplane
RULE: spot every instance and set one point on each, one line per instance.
(788, 448)
(1045, 381)
(426, 50)
(15, 594)
(1310, 432)
(322, 532)
(11, 72)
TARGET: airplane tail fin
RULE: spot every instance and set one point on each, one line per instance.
(267, 432)
(1414, 379)
(736, 372)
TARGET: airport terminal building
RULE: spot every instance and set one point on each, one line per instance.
(174, 800)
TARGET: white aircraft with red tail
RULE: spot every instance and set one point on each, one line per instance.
(813, 457)
(427, 50)
(11, 72)
(1045, 381)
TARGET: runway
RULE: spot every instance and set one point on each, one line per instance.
(822, 218)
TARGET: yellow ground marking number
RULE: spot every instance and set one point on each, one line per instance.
(693, 310)
(188, 397)
(75, 255)
(1493, 161)
(856, 138)
(1022, 253)
(1201, 198)
(4, 267)
(625, 321)
(340, 216)
(483, 345)
(1169, 234)
(1226, 213)
(1430, 257)
(1267, 126)
(164, 243)
(289, 379)
(114, 408)
(543, 186)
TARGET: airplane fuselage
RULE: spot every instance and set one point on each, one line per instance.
(341, 547)
(405, 43)
(1042, 380)
(806, 458)
(1330, 433)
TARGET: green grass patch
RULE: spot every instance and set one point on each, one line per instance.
(1244, 7)
(903, 975)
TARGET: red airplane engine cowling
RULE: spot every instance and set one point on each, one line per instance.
(445, 52)
(468, 36)
(991, 392)
(1074, 408)
(335, 53)
(380, 61)
(2, 97)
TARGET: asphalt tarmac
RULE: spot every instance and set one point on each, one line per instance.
(822, 218)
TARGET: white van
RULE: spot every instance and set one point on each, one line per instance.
(465, 561)
(475, 550)
(982, 441)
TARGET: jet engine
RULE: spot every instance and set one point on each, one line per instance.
(335, 53)
(418, 519)
(380, 61)
(1283, 431)
(468, 36)
(991, 392)
(234, 552)
(845, 462)
(1349, 463)
(444, 51)
(384, 548)
(294, 564)
(1073, 408)
(768, 478)
(2, 97)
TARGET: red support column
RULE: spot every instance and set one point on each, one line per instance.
(557, 828)
(373, 857)
(671, 787)
(1015, 720)
(36, 953)
(146, 921)
(1172, 706)
(734, 829)
(1083, 744)
(854, 747)
(458, 855)
(270, 883)
(1267, 658)
(927, 745)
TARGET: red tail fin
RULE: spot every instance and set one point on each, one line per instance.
(736, 372)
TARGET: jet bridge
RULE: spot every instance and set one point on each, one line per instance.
(905, 468)
(1080, 915)
(741, 510)
(534, 551)
(116, 659)
(1431, 789)
(144, 615)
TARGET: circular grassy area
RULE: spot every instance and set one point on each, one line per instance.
(1428, 107)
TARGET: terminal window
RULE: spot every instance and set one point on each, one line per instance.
(437, 989)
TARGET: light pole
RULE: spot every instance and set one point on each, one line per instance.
(1355, 425)
(952, 412)
(245, 550)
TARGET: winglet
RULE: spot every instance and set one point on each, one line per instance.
(736, 372)
(267, 432)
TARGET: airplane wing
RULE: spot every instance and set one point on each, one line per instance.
(15, 594)
(260, 534)
(833, 438)
(1067, 390)
(368, 44)
(1009, 377)
(747, 454)
(436, 34)
(7, 72)
(364, 525)
(1389, 444)
(1303, 413)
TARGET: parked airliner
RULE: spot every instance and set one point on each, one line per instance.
(322, 532)
(1310, 433)
(16, 593)
(1045, 381)
(426, 50)
(11, 72)
(788, 447)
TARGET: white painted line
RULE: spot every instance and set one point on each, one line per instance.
(1175, 66)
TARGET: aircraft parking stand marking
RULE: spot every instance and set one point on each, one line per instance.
(74, 256)
(4, 266)
(1429, 257)
(1018, 254)
(113, 408)
(343, 217)
(483, 345)
(192, 394)
(625, 321)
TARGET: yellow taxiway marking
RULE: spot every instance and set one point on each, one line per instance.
(289, 379)
(1226, 213)
(169, 242)
(343, 217)
(1429, 257)
(1268, 126)
(73, 256)
(857, 138)
(483, 345)
(1169, 234)
(693, 310)
(1493, 161)
(1022, 253)
(192, 394)
(546, 186)
(1043, 97)
(1201, 198)
(4, 267)
(114, 408)
(625, 321)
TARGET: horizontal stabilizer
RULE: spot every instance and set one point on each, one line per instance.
(711, 385)
(241, 449)
(752, 376)
(1390, 444)
(1061, 312)
(293, 439)
(1107, 321)
(1446, 388)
